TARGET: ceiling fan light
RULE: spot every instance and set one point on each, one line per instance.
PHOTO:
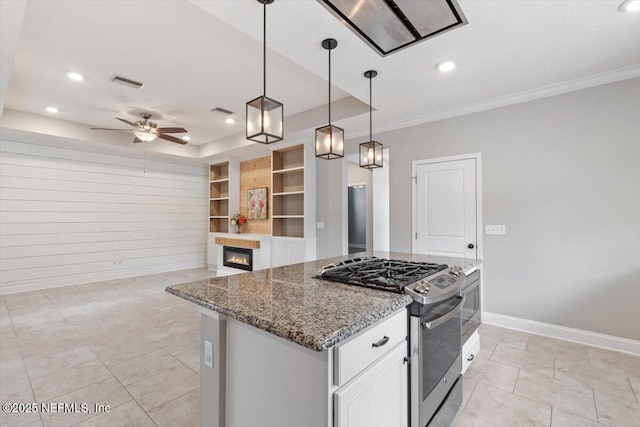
(145, 136)
(630, 6)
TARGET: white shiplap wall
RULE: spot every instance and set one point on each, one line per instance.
(69, 216)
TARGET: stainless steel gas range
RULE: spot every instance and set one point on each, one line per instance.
(435, 359)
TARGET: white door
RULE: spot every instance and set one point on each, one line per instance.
(378, 396)
(446, 208)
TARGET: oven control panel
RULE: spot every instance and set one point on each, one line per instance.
(437, 287)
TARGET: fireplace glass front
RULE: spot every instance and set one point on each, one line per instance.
(241, 258)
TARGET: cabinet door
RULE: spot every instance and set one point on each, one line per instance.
(378, 396)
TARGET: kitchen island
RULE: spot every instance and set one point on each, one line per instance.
(282, 348)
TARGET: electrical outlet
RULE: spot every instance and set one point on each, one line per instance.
(495, 229)
(208, 354)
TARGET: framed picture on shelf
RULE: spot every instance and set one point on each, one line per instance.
(257, 203)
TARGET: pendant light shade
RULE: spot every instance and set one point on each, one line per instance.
(265, 116)
(329, 138)
(370, 151)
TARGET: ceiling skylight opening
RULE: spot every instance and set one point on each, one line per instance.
(446, 66)
(630, 6)
(75, 76)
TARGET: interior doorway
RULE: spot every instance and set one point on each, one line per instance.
(448, 206)
(357, 215)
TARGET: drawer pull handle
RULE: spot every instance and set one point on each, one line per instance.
(382, 342)
(470, 357)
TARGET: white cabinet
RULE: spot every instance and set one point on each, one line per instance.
(285, 251)
(367, 347)
(378, 396)
(212, 253)
(470, 350)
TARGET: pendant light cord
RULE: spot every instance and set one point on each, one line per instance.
(329, 87)
(370, 112)
(264, 49)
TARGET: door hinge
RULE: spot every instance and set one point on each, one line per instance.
(415, 178)
(416, 235)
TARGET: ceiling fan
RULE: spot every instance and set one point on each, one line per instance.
(147, 131)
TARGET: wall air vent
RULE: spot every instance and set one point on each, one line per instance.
(127, 82)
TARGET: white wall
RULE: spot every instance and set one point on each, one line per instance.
(331, 207)
(69, 216)
(563, 174)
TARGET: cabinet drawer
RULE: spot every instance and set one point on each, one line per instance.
(470, 350)
(355, 355)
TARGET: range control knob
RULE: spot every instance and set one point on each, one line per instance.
(421, 289)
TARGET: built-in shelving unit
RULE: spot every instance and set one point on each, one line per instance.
(219, 198)
(287, 198)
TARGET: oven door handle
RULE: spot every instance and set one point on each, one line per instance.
(448, 315)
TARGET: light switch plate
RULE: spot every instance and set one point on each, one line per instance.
(320, 225)
(208, 354)
(495, 229)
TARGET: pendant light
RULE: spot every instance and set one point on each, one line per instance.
(329, 138)
(370, 151)
(265, 122)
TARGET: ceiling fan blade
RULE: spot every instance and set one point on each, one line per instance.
(172, 139)
(126, 121)
(123, 130)
(136, 140)
(171, 130)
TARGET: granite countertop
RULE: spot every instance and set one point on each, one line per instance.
(290, 303)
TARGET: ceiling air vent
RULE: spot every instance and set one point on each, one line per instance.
(222, 111)
(127, 82)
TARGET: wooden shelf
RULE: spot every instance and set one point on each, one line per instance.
(219, 172)
(287, 198)
(219, 198)
(288, 193)
(219, 224)
(287, 159)
(289, 170)
(288, 227)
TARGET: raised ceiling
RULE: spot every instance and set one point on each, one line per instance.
(202, 54)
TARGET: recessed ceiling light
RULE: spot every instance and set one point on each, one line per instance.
(446, 66)
(630, 6)
(75, 76)
(186, 138)
(230, 120)
(52, 110)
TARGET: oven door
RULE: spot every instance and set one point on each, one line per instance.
(471, 310)
(436, 360)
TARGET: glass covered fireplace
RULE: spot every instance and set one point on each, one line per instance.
(241, 258)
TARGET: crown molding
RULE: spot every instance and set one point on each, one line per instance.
(516, 98)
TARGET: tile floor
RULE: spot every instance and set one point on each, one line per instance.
(130, 345)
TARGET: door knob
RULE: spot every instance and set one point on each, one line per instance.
(470, 246)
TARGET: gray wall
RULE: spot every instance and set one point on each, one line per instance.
(563, 174)
(331, 207)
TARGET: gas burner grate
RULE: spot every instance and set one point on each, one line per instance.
(378, 273)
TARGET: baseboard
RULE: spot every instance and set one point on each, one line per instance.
(609, 342)
(79, 279)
